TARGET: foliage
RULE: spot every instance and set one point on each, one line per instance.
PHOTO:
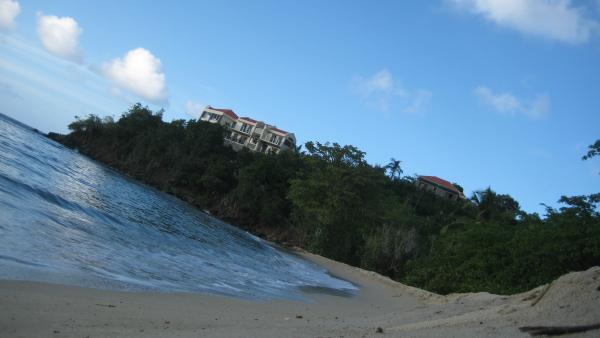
(328, 199)
(594, 150)
(394, 169)
(336, 199)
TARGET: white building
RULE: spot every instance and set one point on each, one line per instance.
(244, 132)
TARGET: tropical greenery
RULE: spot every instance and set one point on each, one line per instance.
(329, 200)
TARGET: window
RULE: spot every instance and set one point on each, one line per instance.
(203, 114)
(245, 128)
(233, 125)
(274, 139)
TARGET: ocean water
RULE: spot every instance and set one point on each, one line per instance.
(65, 218)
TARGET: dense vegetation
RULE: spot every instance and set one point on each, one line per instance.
(329, 200)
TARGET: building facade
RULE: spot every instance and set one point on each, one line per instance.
(244, 132)
(440, 187)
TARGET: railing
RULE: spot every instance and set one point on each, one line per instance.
(267, 139)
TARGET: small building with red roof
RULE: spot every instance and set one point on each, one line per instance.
(440, 187)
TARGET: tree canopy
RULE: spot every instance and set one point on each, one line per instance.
(330, 200)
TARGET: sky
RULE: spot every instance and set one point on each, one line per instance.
(485, 93)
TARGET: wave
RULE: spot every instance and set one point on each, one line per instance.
(68, 219)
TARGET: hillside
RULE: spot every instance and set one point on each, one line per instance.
(330, 201)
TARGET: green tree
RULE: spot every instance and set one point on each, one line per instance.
(394, 169)
(594, 150)
(336, 199)
(492, 205)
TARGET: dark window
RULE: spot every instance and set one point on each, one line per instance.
(245, 128)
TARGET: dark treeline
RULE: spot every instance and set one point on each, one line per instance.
(329, 200)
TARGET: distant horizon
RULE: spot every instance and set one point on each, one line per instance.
(475, 92)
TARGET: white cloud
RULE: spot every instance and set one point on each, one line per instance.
(508, 104)
(9, 9)
(380, 82)
(539, 107)
(420, 101)
(551, 19)
(60, 36)
(193, 109)
(61, 89)
(383, 93)
(139, 72)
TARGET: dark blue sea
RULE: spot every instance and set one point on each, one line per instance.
(67, 219)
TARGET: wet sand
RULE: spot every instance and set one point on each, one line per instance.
(29, 309)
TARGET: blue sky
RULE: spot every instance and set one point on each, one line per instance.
(479, 92)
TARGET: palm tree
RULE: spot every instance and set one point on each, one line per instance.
(491, 204)
(394, 169)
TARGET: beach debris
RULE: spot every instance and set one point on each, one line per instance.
(106, 305)
(542, 294)
(558, 330)
(299, 316)
(56, 331)
(531, 296)
(379, 329)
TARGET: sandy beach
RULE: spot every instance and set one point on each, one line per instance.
(382, 308)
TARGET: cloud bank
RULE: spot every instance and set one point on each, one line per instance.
(60, 36)
(552, 19)
(139, 72)
(508, 104)
(9, 10)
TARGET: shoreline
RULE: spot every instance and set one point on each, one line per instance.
(29, 309)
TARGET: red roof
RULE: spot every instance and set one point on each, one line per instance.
(249, 119)
(441, 182)
(279, 130)
(227, 112)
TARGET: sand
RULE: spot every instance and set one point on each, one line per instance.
(29, 309)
